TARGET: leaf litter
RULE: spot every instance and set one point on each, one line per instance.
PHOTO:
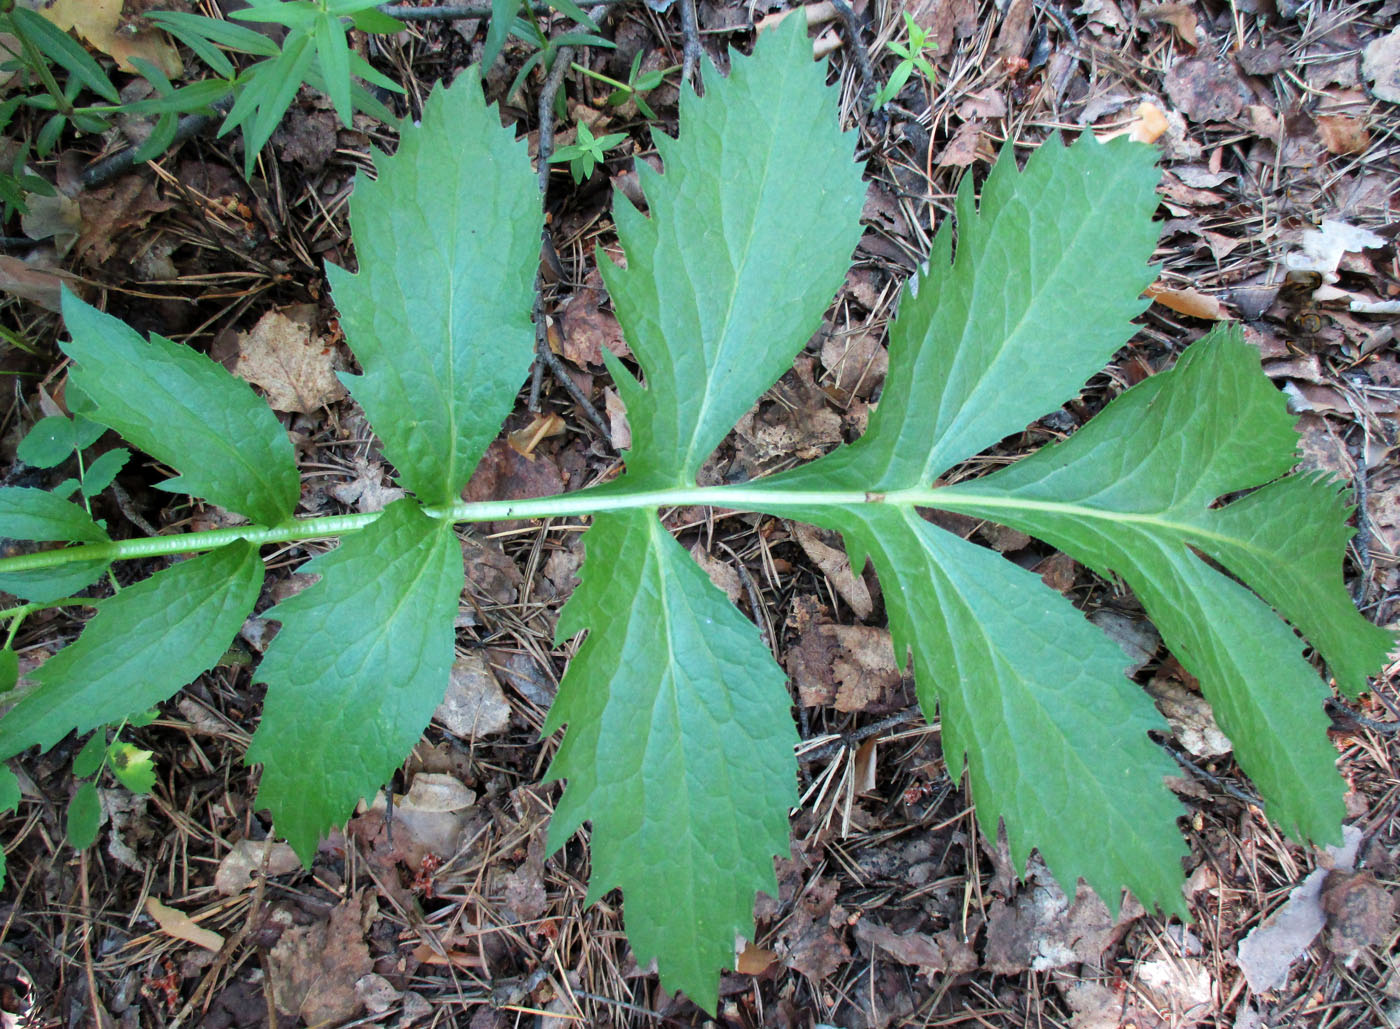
(1226, 245)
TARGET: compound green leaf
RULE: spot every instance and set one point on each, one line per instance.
(359, 666)
(187, 412)
(62, 48)
(44, 584)
(49, 443)
(749, 233)
(9, 795)
(102, 471)
(143, 644)
(9, 801)
(1041, 292)
(90, 758)
(84, 817)
(679, 748)
(35, 514)
(1035, 697)
(333, 54)
(502, 17)
(448, 239)
(133, 767)
(1136, 492)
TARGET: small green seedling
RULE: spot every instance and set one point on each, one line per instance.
(911, 57)
(586, 151)
(638, 82)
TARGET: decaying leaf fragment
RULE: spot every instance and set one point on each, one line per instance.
(295, 366)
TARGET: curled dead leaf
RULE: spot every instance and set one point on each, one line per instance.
(1189, 302)
(542, 427)
(182, 926)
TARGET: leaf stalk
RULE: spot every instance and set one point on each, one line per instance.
(745, 497)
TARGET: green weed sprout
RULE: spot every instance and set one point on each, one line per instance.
(586, 151)
(911, 57)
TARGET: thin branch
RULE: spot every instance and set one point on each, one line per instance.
(846, 739)
(690, 53)
(124, 160)
(857, 45)
(448, 12)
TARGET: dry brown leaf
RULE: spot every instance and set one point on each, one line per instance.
(1189, 302)
(1360, 912)
(502, 474)
(586, 329)
(721, 572)
(1097, 1006)
(253, 857)
(619, 431)
(944, 953)
(1380, 65)
(129, 203)
(1181, 17)
(1102, 16)
(182, 926)
(1059, 571)
(42, 286)
(294, 366)
(864, 764)
(989, 103)
(1343, 135)
(1206, 89)
(430, 816)
(1190, 717)
(100, 23)
(946, 21)
(810, 940)
(1321, 449)
(58, 217)
(1015, 29)
(753, 959)
(474, 705)
(795, 422)
(1221, 246)
(850, 667)
(962, 148)
(1262, 60)
(542, 427)
(1042, 930)
(313, 968)
(491, 574)
(856, 362)
(367, 490)
(1180, 987)
(836, 565)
